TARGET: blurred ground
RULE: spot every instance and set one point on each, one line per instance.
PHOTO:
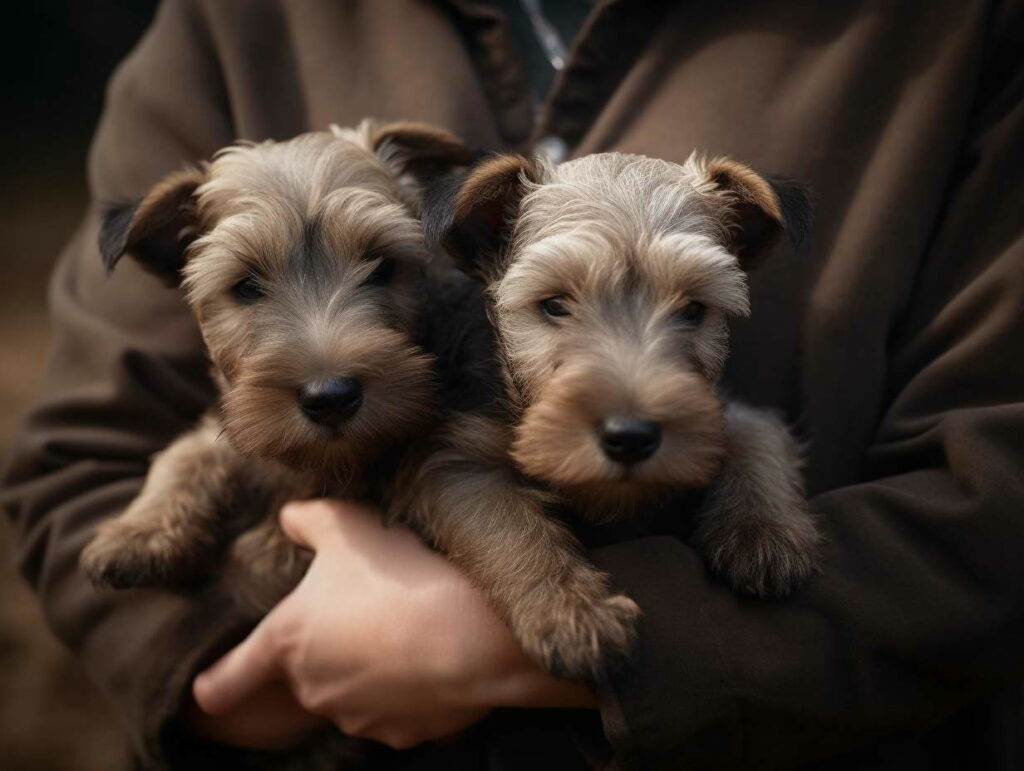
(52, 72)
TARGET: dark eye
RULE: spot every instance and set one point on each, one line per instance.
(693, 313)
(383, 273)
(555, 307)
(248, 289)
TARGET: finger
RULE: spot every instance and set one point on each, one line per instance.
(271, 719)
(242, 671)
(308, 523)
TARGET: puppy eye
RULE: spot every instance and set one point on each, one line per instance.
(248, 289)
(554, 307)
(382, 273)
(693, 313)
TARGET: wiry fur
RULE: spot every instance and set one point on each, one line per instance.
(755, 529)
(627, 243)
(312, 219)
(473, 506)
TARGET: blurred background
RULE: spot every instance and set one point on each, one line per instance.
(56, 60)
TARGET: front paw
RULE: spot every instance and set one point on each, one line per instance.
(761, 557)
(579, 638)
(126, 554)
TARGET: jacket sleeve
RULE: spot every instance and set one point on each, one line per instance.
(126, 375)
(920, 607)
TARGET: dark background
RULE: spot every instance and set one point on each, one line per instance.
(56, 58)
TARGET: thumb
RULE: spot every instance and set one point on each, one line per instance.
(314, 524)
(309, 523)
(242, 671)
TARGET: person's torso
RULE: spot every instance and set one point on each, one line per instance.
(867, 103)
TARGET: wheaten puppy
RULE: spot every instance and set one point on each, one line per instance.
(609, 283)
(303, 262)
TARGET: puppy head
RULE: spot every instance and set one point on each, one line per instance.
(611, 279)
(302, 262)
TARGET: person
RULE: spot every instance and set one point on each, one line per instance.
(892, 341)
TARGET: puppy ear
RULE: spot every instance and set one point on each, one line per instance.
(419, 151)
(156, 230)
(758, 209)
(472, 214)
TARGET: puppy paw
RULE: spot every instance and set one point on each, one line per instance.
(762, 557)
(125, 555)
(581, 639)
(262, 566)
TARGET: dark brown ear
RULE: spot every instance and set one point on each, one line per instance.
(418, 150)
(157, 230)
(758, 209)
(472, 214)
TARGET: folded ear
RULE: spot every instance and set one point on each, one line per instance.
(157, 230)
(757, 209)
(419, 151)
(472, 214)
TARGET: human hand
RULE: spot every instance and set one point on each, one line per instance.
(268, 719)
(383, 637)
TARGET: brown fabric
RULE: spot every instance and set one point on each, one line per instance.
(893, 341)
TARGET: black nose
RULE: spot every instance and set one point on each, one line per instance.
(329, 402)
(629, 441)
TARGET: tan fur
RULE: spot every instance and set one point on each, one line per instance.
(745, 184)
(555, 437)
(311, 219)
(412, 150)
(173, 530)
(626, 244)
(629, 243)
(163, 203)
(757, 529)
(495, 179)
(467, 500)
(262, 565)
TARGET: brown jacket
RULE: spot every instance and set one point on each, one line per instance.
(893, 342)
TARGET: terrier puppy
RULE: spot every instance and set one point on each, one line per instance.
(609, 282)
(303, 263)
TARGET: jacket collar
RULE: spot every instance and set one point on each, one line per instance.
(608, 44)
